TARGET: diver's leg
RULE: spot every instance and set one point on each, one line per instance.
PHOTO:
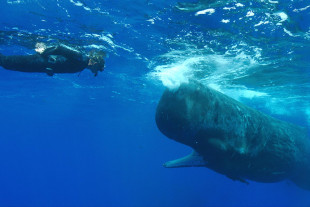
(1, 56)
(23, 63)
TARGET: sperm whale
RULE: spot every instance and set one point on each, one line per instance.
(231, 138)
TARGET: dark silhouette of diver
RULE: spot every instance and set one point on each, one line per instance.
(54, 59)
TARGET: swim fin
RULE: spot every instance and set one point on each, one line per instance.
(238, 179)
(49, 71)
(1, 59)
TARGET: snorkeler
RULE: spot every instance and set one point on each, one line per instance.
(54, 59)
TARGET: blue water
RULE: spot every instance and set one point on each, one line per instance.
(79, 140)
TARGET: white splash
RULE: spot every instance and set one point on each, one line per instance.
(14, 1)
(173, 75)
(238, 92)
(250, 94)
(151, 20)
(215, 87)
(239, 5)
(206, 11)
(93, 46)
(229, 8)
(283, 17)
(289, 33)
(80, 4)
(261, 23)
(210, 69)
(301, 9)
(77, 3)
(273, 2)
(40, 47)
(225, 21)
(250, 14)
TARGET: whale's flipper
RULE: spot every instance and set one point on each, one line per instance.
(191, 160)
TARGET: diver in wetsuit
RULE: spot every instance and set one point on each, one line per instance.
(55, 59)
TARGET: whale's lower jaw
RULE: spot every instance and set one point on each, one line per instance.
(191, 160)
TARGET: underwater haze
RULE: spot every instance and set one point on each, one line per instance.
(80, 140)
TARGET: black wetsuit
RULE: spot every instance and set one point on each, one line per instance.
(58, 59)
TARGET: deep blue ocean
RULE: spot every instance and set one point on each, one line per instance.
(80, 140)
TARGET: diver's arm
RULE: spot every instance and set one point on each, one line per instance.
(63, 50)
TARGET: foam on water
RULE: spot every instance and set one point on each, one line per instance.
(238, 92)
(213, 69)
(174, 74)
(222, 73)
(205, 11)
(14, 1)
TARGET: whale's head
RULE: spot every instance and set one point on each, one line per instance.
(180, 113)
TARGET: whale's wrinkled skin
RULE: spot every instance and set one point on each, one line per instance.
(231, 138)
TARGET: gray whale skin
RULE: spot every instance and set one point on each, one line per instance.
(231, 138)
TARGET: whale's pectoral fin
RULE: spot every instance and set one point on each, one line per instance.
(191, 160)
(238, 179)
